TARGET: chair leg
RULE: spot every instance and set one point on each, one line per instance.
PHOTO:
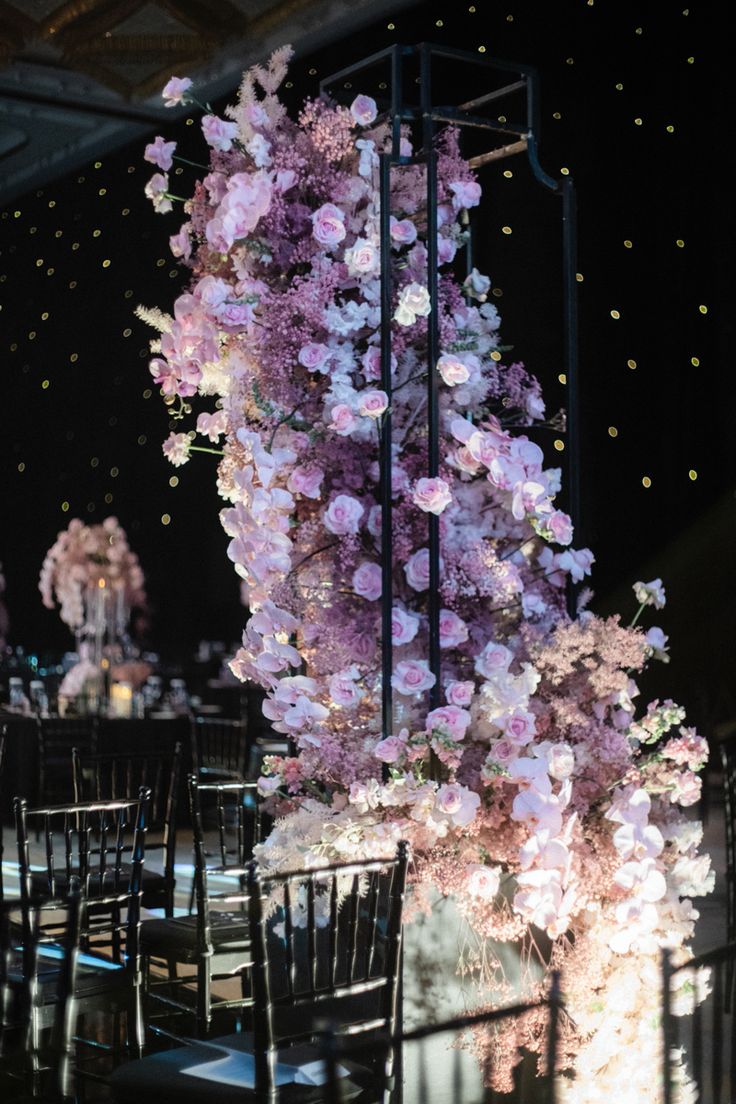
(204, 987)
(136, 1028)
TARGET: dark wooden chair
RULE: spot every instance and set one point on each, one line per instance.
(37, 1064)
(324, 943)
(105, 777)
(220, 749)
(704, 1023)
(371, 1061)
(56, 738)
(214, 940)
(100, 844)
(728, 761)
(3, 739)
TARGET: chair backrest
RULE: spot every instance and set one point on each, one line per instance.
(220, 748)
(3, 738)
(100, 843)
(327, 935)
(56, 738)
(111, 775)
(45, 1060)
(380, 1052)
(699, 1014)
(233, 810)
(728, 761)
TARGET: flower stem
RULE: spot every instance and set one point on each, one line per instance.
(200, 448)
(195, 164)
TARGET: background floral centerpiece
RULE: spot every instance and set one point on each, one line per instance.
(535, 792)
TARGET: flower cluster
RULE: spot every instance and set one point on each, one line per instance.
(89, 556)
(532, 792)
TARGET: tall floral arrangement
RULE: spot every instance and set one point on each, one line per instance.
(537, 794)
(89, 558)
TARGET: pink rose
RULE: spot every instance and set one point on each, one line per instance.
(363, 258)
(306, 480)
(519, 727)
(458, 803)
(367, 581)
(328, 225)
(314, 356)
(493, 659)
(218, 133)
(343, 515)
(460, 693)
(403, 231)
(453, 630)
(446, 250)
(343, 690)
(364, 110)
(412, 676)
(483, 881)
(174, 91)
(431, 495)
(389, 750)
(453, 720)
(465, 194)
(371, 361)
(404, 626)
(234, 315)
(160, 153)
(452, 370)
(372, 404)
(503, 751)
(416, 569)
(343, 420)
(560, 761)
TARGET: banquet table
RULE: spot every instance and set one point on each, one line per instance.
(21, 773)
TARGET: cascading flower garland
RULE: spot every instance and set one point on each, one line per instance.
(80, 557)
(534, 795)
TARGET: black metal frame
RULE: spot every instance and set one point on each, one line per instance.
(46, 1067)
(121, 774)
(337, 1048)
(526, 134)
(721, 961)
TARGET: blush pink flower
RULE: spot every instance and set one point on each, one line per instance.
(176, 449)
(343, 515)
(390, 750)
(432, 495)
(160, 153)
(414, 302)
(306, 479)
(465, 194)
(328, 225)
(363, 259)
(314, 357)
(404, 626)
(453, 720)
(460, 693)
(457, 803)
(493, 659)
(157, 190)
(364, 110)
(560, 526)
(218, 133)
(343, 420)
(371, 361)
(482, 881)
(181, 244)
(412, 676)
(403, 231)
(452, 370)
(453, 630)
(519, 727)
(416, 569)
(372, 404)
(343, 689)
(367, 581)
(175, 91)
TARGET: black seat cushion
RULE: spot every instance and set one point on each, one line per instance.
(161, 1077)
